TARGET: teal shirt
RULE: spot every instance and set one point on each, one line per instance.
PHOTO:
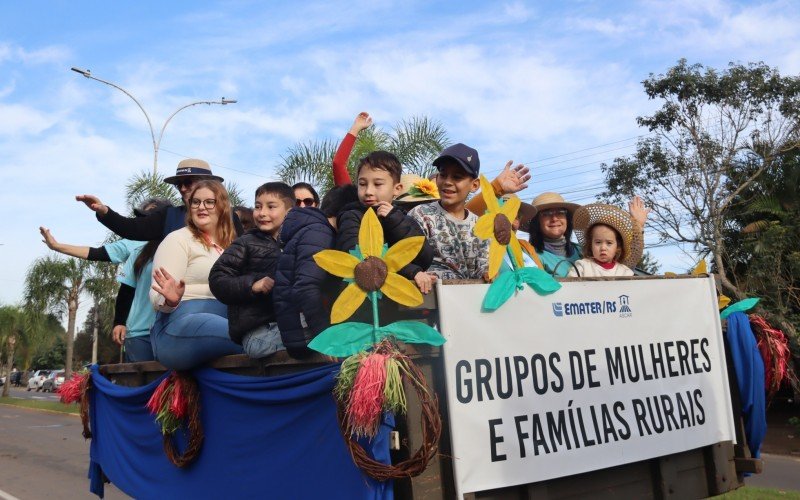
(551, 262)
(142, 315)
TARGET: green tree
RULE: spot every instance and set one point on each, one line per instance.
(416, 142)
(648, 263)
(12, 331)
(101, 316)
(709, 125)
(54, 285)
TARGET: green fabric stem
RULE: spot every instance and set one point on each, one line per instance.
(509, 282)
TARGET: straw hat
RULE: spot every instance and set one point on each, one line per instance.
(417, 189)
(598, 213)
(553, 200)
(525, 214)
(193, 167)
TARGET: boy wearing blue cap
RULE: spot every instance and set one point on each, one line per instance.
(447, 224)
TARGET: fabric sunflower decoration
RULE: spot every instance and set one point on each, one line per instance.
(370, 380)
(496, 226)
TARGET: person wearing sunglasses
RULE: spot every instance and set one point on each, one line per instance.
(162, 222)
(305, 195)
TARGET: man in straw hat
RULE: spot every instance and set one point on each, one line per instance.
(162, 222)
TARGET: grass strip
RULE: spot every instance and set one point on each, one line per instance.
(753, 492)
(55, 406)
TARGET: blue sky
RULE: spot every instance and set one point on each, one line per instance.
(556, 85)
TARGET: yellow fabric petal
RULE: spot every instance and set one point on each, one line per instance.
(487, 191)
(349, 300)
(510, 208)
(723, 301)
(700, 268)
(496, 251)
(337, 263)
(401, 290)
(484, 228)
(516, 251)
(370, 235)
(403, 252)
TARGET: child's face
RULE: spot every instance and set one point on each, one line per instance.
(375, 186)
(269, 212)
(455, 184)
(604, 243)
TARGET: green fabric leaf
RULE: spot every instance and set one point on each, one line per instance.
(344, 339)
(742, 305)
(413, 332)
(541, 281)
(500, 290)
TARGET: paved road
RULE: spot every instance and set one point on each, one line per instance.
(21, 392)
(780, 471)
(43, 455)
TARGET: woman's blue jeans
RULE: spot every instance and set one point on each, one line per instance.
(194, 334)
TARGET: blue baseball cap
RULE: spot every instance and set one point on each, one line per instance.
(462, 154)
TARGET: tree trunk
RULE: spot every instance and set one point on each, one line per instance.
(12, 340)
(71, 314)
(94, 335)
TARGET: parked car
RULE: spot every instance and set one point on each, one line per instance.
(53, 381)
(37, 379)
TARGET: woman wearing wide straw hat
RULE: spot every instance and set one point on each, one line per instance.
(611, 240)
(550, 233)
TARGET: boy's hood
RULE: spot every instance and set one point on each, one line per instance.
(298, 218)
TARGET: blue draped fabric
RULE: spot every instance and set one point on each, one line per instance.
(270, 437)
(750, 378)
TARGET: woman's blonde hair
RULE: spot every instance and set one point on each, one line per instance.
(225, 233)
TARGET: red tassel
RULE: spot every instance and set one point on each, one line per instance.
(179, 405)
(154, 404)
(774, 348)
(366, 397)
(72, 390)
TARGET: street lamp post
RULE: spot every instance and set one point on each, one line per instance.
(156, 142)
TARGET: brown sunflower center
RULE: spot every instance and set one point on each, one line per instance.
(371, 274)
(502, 229)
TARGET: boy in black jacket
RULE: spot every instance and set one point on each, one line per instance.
(378, 184)
(244, 274)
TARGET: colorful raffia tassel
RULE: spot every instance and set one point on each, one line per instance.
(774, 348)
(169, 404)
(72, 390)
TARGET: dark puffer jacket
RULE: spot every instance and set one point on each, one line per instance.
(396, 226)
(249, 258)
(299, 281)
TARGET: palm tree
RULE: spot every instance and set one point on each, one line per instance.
(102, 286)
(416, 142)
(55, 285)
(11, 331)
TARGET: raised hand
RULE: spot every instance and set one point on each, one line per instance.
(165, 284)
(362, 121)
(93, 202)
(513, 180)
(638, 211)
(48, 240)
(383, 208)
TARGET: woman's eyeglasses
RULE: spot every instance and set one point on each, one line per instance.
(208, 204)
(304, 202)
(554, 212)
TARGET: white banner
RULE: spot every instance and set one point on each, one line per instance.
(595, 375)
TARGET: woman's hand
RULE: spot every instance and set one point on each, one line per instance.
(424, 281)
(165, 284)
(264, 285)
(638, 211)
(93, 202)
(49, 240)
(513, 180)
(118, 334)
